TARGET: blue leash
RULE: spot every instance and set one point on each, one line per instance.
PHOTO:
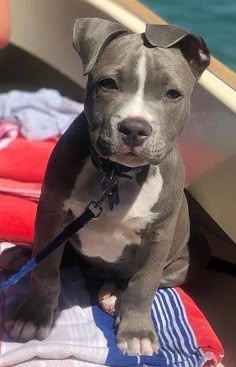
(70, 229)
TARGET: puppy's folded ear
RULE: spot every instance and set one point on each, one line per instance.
(91, 36)
(193, 48)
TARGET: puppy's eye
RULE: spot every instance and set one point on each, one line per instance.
(107, 83)
(172, 94)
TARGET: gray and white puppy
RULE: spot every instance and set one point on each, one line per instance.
(137, 103)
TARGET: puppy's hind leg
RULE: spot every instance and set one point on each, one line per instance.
(109, 298)
(14, 257)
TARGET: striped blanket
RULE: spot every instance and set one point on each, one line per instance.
(84, 336)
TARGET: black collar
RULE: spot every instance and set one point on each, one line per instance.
(111, 172)
(107, 166)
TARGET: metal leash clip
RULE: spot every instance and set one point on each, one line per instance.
(109, 189)
(110, 185)
(95, 208)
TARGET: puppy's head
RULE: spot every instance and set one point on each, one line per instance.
(139, 87)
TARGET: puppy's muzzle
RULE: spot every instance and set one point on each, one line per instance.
(134, 131)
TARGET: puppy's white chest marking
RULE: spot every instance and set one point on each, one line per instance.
(136, 105)
(114, 230)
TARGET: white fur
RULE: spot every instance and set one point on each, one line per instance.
(114, 230)
(136, 105)
(137, 347)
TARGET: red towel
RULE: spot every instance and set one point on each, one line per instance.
(25, 160)
(29, 190)
(22, 169)
(205, 336)
(17, 216)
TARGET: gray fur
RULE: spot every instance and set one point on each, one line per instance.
(156, 252)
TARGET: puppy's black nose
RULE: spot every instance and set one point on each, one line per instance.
(136, 131)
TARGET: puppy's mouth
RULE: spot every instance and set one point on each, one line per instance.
(127, 155)
(131, 151)
(130, 159)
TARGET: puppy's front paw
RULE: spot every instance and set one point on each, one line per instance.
(32, 320)
(137, 337)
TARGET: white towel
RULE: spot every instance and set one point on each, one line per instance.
(40, 115)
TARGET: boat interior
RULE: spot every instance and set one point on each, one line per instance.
(40, 54)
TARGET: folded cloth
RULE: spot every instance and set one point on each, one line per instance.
(29, 190)
(84, 335)
(22, 168)
(8, 132)
(25, 160)
(40, 115)
(17, 216)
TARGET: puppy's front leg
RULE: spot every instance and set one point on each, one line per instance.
(136, 334)
(34, 318)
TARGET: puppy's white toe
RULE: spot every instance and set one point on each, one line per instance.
(147, 347)
(123, 346)
(137, 347)
(134, 347)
